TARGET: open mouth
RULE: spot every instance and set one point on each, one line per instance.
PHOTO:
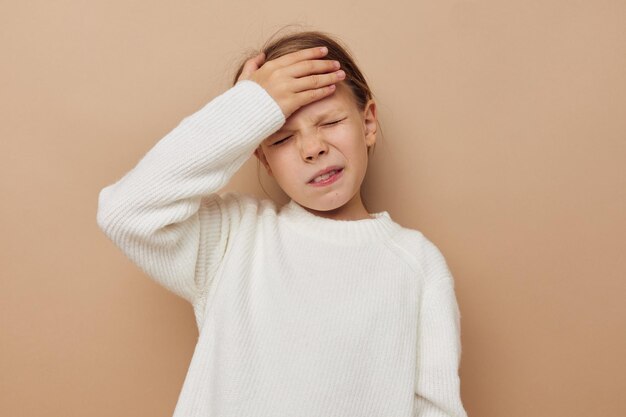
(327, 178)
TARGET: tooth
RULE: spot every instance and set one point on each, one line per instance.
(325, 176)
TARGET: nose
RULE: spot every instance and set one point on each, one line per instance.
(312, 147)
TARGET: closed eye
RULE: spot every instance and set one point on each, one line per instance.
(334, 123)
(278, 142)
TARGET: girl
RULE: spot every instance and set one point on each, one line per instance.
(314, 309)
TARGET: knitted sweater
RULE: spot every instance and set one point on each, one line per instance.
(298, 315)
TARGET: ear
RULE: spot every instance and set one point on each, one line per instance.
(369, 120)
(258, 152)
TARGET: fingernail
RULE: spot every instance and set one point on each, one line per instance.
(324, 49)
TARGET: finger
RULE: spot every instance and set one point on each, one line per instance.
(259, 59)
(316, 81)
(252, 65)
(309, 96)
(300, 55)
(312, 66)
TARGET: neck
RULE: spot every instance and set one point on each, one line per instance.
(352, 210)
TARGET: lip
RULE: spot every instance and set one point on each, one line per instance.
(329, 180)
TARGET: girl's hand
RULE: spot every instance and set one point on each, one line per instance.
(295, 79)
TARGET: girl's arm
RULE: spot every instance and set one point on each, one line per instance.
(164, 213)
(437, 384)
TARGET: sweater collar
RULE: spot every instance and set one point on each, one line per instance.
(377, 228)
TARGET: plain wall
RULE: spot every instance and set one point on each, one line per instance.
(504, 143)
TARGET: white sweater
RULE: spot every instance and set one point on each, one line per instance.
(298, 315)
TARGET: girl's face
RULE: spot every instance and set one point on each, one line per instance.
(327, 134)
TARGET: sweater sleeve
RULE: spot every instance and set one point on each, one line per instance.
(437, 383)
(165, 213)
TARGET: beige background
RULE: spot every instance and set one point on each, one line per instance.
(504, 142)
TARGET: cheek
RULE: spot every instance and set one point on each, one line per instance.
(349, 139)
(281, 162)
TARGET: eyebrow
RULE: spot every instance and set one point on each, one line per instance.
(316, 119)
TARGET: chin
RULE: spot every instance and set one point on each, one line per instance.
(322, 207)
(324, 204)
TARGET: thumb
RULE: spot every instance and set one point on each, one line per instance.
(252, 65)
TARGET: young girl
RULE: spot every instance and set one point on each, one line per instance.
(314, 309)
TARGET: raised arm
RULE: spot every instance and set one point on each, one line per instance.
(154, 212)
(165, 214)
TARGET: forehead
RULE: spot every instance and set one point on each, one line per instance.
(341, 101)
